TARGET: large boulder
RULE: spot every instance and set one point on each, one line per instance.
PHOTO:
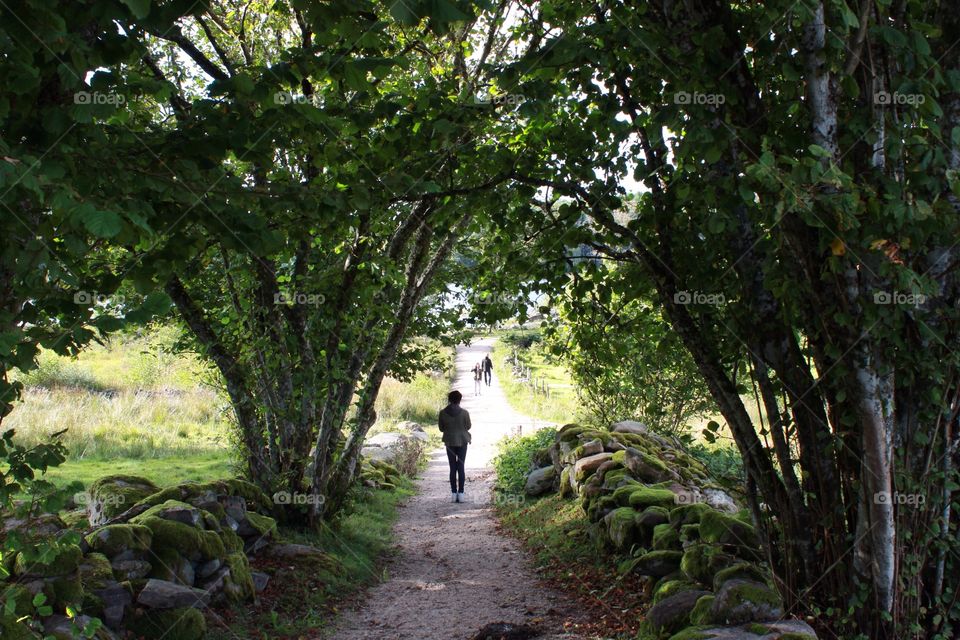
(740, 601)
(589, 464)
(541, 481)
(110, 496)
(622, 527)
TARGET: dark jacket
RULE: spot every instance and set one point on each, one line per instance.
(487, 364)
(454, 424)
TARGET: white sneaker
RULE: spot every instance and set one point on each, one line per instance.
(461, 497)
(455, 497)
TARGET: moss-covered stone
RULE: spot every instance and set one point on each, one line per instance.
(76, 519)
(154, 624)
(622, 527)
(112, 495)
(658, 563)
(622, 494)
(741, 571)
(667, 588)
(565, 489)
(688, 513)
(696, 563)
(613, 478)
(692, 633)
(95, 572)
(665, 537)
(117, 538)
(190, 542)
(11, 629)
(689, 533)
(721, 528)
(238, 586)
(643, 497)
(64, 591)
(266, 526)
(742, 601)
(65, 562)
(703, 611)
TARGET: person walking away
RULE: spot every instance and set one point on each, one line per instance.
(477, 378)
(454, 422)
(487, 369)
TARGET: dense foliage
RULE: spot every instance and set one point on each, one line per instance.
(514, 458)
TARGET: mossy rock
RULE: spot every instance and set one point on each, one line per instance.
(76, 519)
(667, 588)
(742, 601)
(112, 495)
(10, 629)
(665, 537)
(154, 624)
(688, 513)
(689, 533)
(168, 564)
(622, 494)
(643, 497)
(672, 614)
(613, 478)
(741, 571)
(696, 563)
(703, 611)
(658, 563)
(190, 542)
(64, 591)
(117, 538)
(238, 587)
(622, 527)
(619, 456)
(266, 526)
(199, 494)
(720, 528)
(95, 572)
(565, 489)
(65, 562)
(598, 508)
(569, 430)
(692, 633)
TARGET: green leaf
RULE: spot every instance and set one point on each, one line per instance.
(103, 224)
(140, 8)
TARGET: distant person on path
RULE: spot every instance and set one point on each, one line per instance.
(477, 378)
(487, 369)
(454, 423)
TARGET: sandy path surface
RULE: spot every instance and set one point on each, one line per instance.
(454, 572)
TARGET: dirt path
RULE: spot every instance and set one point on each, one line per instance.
(454, 572)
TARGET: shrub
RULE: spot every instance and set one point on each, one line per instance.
(514, 457)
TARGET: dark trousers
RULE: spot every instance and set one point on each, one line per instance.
(456, 456)
(486, 376)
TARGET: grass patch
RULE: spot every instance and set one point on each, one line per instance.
(303, 601)
(560, 406)
(162, 471)
(512, 462)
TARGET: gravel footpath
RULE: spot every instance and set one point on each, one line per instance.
(454, 572)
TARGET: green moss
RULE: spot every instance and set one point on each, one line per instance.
(239, 585)
(182, 624)
(665, 537)
(721, 528)
(64, 591)
(188, 541)
(688, 513)
(231, 541)
(565, 489)
(696, 563)
(569, 431)
(95, 571)
(622, 527)
(658, 563)
(692, 633)
(793, 635)
(759, 629)
(613, 477)
(76, 519)
(118, 493)
(667, 588)
(741, 570)
(703, 611)
(13, 630)
(622, 494)
(620, 457)
(66, 561)
(643, 497)
(751, 592)
(21, 598)
(689, 533)
(265, 525)
(116, 538)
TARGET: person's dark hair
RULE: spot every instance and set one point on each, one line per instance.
(454, 397)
